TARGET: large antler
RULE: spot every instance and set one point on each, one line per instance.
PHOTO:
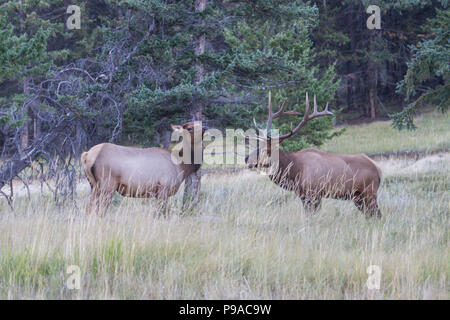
(277, 114)
(305, 119)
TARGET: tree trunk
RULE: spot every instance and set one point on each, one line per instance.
(24, 140)
(193, 182)
(373, 102)
(25, 137)
(14, 165)
(36, 128)
(350, 77)
(350, 104)
(25, 132)
(373, 79)
(165, 138)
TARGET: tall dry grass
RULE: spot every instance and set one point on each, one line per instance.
(246, 239)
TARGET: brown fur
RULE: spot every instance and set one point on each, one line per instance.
(313, 174)
(134, 172)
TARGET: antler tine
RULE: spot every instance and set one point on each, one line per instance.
(315, 105)
(307, 117)
(307, 106)
(280, 110)
(270, 103)
(279, 113)
(270, 115)
(254, 122)
(316, 113)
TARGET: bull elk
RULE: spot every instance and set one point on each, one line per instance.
(313, 174)
(137, 172)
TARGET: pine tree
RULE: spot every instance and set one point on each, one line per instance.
(428, 75)
(271, 49)
(25, 57)
(369, 62)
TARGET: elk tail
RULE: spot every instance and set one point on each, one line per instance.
(88, 164)
(376, 166)
(380, 174)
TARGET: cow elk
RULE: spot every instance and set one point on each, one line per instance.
(138, 172)
(313, 174)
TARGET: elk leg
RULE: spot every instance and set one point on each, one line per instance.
(162, 196)
(359, 203)
(93, 200)
(105, 201)
(367, 205)
(373, 209)
(311, 203)
(106, 196)
(164, 209)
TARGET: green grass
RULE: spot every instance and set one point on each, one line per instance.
(380, 137)
(432, 134)
(246, 239)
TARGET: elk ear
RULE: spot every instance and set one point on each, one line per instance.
(176, 127)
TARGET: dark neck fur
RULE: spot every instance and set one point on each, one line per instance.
(283, 164)
(190, 168)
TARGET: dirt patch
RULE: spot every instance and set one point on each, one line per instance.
(22, 190)
(391, 164)
(406, 154)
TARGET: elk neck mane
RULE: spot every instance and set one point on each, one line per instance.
(189, 168)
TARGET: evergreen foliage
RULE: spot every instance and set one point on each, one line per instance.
(428, 75)
(132, 69)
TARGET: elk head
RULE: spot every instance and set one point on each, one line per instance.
(192, 134)
(262, 156)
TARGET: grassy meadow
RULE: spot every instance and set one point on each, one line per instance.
(245, 239)
(432, 134)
